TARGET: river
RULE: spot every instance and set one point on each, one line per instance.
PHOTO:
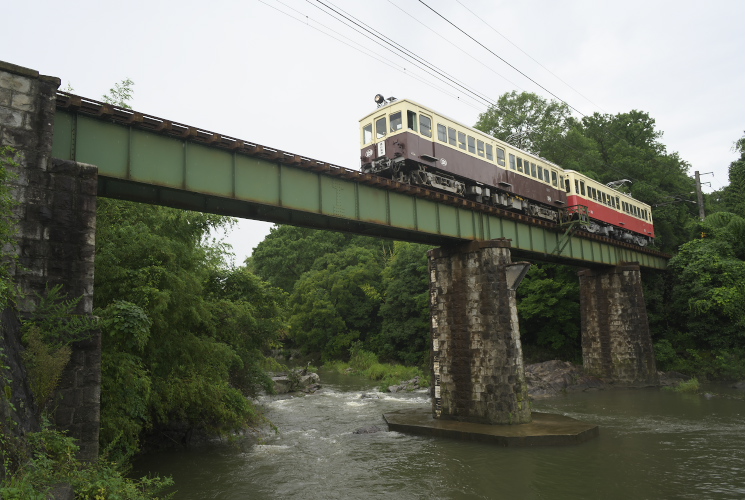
(653, 444)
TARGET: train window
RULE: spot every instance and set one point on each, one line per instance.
(618, 203)
(582, 187)
(396, 122)
(411, 120)
(561, 181)
(500, 156)
(461, 140)
(489, 152)
(533, 170)
(554, 179)
(472, 146)
(367, 133)
(480, 147)
(451, 136)
(519, 164)
(425, 125)
(540, 172)
(576, 186)
(602, 197)
(380, 128)
(567, 184)
(512, 161)
(442, 133)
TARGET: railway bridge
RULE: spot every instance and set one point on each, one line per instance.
(75, 149)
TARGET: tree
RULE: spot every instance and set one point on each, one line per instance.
(336, 303)
(405, 331)
(548, 308)
(182, 335)
(707, 318)
(526, 121)
(734, 194)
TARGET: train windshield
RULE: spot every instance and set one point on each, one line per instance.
(380, 128)
(367, 133)
(396, 121)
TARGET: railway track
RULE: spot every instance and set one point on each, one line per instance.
(143, 121)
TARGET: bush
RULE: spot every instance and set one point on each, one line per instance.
(366, 364)
(51, 460)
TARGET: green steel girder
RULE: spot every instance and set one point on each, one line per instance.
(184, 171)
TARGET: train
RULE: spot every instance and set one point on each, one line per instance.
(411, 143)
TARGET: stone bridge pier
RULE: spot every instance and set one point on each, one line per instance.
(616, 343)
(477, 356)
(55, 244)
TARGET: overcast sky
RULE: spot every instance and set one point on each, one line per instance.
(290, 76)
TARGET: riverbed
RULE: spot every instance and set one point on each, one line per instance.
(653, 444)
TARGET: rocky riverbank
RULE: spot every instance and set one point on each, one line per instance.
(553, 378)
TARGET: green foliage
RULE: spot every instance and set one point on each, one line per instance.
(289, 251)
(183, 335)
(366, 364)
(50, 460)
(734, 194)
(44, 364)
(527, 121)
(7, 225)
(548, 309)
(689, 386)
(332, 305)
(120, 94)
(405, 330)
(48, 332)
(56, 320)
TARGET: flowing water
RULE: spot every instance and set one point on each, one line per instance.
(653, 444)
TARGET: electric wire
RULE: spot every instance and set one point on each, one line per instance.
(306, 21)
(498, 56)
(407, 53)
(528, 55)
(465, 52)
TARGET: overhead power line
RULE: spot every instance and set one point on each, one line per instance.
(498, 56)
(528, 55)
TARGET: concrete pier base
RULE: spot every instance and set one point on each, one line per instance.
(477, 357)
(545, 429)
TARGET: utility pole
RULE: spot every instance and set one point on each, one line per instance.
(700, 197)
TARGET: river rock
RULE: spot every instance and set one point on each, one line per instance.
(298, 380)
(739, 385)
(367, 430)
(555, 377)
(409, 385)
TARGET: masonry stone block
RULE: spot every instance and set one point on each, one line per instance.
(616, 342)
(476, 351)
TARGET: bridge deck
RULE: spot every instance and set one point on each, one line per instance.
(148, 159)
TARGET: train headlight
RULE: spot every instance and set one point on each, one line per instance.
(379, 99)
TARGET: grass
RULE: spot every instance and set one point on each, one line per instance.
(689, 386)
(366, 364)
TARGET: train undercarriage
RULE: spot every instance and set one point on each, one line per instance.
(410, 172)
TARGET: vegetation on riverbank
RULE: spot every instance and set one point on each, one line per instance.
(366, 364)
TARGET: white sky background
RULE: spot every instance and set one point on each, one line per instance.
(247, 70)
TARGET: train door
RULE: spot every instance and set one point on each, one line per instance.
(426, 143)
